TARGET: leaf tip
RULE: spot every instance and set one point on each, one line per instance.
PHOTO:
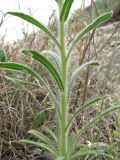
(22, 141)
(95, 63)
(25, 52)
(111, 12)
(9, 12)
(31, 131)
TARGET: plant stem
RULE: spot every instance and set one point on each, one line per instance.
(64, 94)
(64, 114)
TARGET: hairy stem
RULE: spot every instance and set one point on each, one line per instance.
(64, 114)
(64, 94)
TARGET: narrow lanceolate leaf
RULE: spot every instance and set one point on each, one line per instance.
(41, 145)
(48, 65)
(24, 68)
(43, 138)
(97, 118)
(66, 9)
(39, 135)
(60, 158)
(77, 72)
(36, 23)
(93, 121)
(82, 108)
(21, 67)
(92, 26)
(97, 146)
(90, 153)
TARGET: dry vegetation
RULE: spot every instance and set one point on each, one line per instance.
(21, 103)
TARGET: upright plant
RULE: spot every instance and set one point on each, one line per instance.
(62, 144)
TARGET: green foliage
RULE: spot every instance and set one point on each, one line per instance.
(77, 72)
(81, 108)
(20, 67)
(65, 10)
(35, 23)
(98, 153)
(43, 115)
(3, 56)
(62, 144)
(42, 145)
(92, 26)
(46, 63)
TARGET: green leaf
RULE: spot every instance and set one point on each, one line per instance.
(92, 26)
(96, 153)
(3, 56)
(72, 147)
(21, 67)
(47, 64)
(97, 146)
(43, 115)
(104, 147)
(82, 108)
(24, 68)
(93, 121)
(39, 135)
(60, 158)
(97, 118)
(43, 139)
(77, 72)
(54, 57)
(35, 23)
(41, 145)
(51, 133)
(66, 9)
